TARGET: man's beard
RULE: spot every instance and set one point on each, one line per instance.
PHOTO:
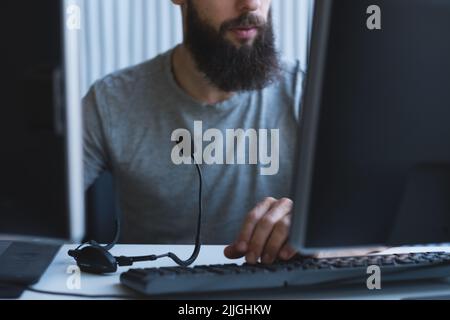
(231, 68)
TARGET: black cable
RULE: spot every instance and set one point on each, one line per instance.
(117, 235)
(108, 246)
(198, 244)
(128, 261)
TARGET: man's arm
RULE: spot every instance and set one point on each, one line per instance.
(266, 230)
(94, 139)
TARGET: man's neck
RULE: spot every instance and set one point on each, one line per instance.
(192, 81)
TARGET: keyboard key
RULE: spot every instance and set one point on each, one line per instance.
(405, 261)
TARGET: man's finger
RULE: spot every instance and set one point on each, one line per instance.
(240, 247)
(265, 227)
(253, 218)
(287, 252)
(276, 240)
(235, 251)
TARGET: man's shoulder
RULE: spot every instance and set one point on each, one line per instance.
(290, 66)
(291, 71)
(287, 91)
(127, 80)
(290, 80)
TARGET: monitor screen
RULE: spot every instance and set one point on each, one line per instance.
(33, 171)
(374, 162)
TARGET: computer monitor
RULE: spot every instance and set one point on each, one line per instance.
(41, 193)
(374, 144)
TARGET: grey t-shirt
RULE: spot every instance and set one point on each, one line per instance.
(131, 118)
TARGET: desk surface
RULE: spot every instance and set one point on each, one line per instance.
(57, 276)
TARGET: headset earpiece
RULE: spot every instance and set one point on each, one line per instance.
(94, 259)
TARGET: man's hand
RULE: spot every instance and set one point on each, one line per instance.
(265, 233)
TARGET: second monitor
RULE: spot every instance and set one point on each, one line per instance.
(374, 164)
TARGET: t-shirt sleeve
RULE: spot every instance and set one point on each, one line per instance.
(96, 158)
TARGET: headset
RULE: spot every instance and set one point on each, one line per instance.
(91, 257)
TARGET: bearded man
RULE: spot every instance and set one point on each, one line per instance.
(225, 75)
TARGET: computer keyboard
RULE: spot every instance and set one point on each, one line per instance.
(297, 272)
